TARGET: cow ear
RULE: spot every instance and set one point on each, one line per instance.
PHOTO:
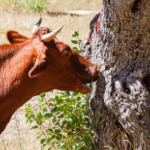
(40, 62)
(14, 37)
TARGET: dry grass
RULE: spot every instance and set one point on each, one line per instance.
(59, 5)
(68, 5)
(23, 23)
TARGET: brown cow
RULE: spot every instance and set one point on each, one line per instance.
(42, 63)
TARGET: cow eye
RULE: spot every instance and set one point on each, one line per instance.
(66, 53)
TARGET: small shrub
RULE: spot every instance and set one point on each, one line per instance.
(77, 41)
(63, 121)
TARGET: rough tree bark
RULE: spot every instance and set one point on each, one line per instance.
(119, 43)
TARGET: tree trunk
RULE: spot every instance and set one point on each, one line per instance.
(119, 43)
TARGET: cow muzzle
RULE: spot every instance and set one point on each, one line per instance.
(94, 72)
(93, 75)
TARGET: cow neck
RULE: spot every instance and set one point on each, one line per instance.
(16, 61)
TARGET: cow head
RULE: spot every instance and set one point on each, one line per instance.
(56, 65)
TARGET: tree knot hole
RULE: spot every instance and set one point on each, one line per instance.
(146, 81)
(136, 6)
(126, 89)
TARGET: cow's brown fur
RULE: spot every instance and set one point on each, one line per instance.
(32, 67)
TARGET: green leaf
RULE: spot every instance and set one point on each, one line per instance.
(28, 110)
(54, 120)
(62, 146)
(53, 137)
(43, 145)
(60, 94)
(42, 95)
(75, 34)
(75, 48)
(74, 41)
(61, 116)
(44, 110)
(38, 115)
(57, 131)
(48, 140)
(51, 91)
(87, 139)
(51, 100)
(90, 85)
(42, 120)
(42, 105)
(79, 94)
(91, 127)
(83, 148)
(41, 101)
(67, 93)
(39, 136)
(64, 122)
(49, 130)
(59, 137)
(48, 115)
(94, 117)
(42, 141)
(78, 51)
(79, 41)
(34, 127)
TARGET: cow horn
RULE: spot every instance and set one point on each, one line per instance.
(48, 37)
(36, 26)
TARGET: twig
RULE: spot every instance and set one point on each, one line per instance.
(46, 136)
(52, 113)
(3, 142)
(18, 132)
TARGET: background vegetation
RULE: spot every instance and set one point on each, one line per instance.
(52, 5)
(63, 121)
(21, 15)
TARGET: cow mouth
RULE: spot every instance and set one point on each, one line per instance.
(85, 89)
(89, 79)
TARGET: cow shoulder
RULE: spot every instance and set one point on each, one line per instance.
(14, 37)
